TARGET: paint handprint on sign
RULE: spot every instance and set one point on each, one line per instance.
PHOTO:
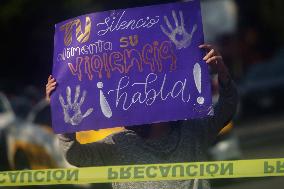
(178, 35)
(74, 108)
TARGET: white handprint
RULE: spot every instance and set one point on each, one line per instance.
(75, 107)
(186, 38)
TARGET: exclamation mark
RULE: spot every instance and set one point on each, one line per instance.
(197, 80)
(103, 102)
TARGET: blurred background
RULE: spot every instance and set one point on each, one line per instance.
(249, 34)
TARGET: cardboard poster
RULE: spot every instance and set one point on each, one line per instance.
(130, 67)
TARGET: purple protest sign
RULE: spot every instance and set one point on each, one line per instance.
(130, 67)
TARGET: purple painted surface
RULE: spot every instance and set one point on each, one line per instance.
(134, 66)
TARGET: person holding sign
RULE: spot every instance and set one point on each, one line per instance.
(170, 142)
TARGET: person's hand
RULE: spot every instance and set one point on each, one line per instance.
(50, 87)
(214, 59)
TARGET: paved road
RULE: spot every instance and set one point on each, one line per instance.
(262, 138)
(262, 151)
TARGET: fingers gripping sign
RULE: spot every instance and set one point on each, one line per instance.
(186, 38)
(74, 108)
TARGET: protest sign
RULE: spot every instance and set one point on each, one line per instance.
(130, 67)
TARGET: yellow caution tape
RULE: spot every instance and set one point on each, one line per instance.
(150, 172)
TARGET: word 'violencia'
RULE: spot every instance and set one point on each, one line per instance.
(155, 55)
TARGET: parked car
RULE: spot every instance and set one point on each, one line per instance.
(28, 144)
(6, 113)
(226, 146)
(262, 89)
(6, 117)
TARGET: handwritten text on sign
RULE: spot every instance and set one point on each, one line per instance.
(130, 67)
